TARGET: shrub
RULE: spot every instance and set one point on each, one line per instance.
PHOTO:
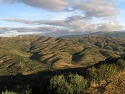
(24, 89)
(69, 84)
(8, 92)
(91, 74)
(121, 64)
(104, 72)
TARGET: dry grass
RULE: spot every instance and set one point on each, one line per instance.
(115, 86)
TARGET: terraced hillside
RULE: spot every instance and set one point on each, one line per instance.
(31, 54)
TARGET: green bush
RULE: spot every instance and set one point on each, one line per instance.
(8, 92)
(67, 84)
(121, 64)
(104, 72)
(24, 89)
(92, 74)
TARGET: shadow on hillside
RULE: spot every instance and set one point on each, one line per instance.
(77, 57)
(37, 82)
(36, 56)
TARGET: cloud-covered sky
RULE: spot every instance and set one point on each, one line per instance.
(60, 17)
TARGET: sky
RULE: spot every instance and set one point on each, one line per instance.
(60, 17)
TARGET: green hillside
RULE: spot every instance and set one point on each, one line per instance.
(31, 54)
(15, 56)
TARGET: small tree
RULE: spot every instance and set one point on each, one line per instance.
(91, 74)
(58, 84)
(68, 84)
(77, 82)
(121, 64)
(106, 71)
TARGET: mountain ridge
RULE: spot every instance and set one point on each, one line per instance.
(118, 34)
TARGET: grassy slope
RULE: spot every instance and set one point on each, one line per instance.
(15, 56)
(31, 54)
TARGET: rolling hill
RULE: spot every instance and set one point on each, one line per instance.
(31, 54)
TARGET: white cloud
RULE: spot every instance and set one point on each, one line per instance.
(15, 33)
(97, 8)
(71, 25)
(76, 24)
(90, 8)
(54, 5)
(110, 26)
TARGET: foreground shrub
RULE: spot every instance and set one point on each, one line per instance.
(121, 64)
(104, 72)
(8, 92)
(23, 89)
(92, 74)
(69, 84)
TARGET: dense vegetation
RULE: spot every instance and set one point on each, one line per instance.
(67, 84)
(37, 65)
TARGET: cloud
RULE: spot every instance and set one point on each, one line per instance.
(27, 29)
(89, 8)
(71, 25)
(76, 24)
(45, 31)
(97, 8)
(54, 5)
(7, 1)
(110, 26)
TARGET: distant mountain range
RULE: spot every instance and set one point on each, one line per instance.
(118, 34)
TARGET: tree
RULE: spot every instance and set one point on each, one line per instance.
(91, 74)
(121, 64)
(70, 84)
(106, 71)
